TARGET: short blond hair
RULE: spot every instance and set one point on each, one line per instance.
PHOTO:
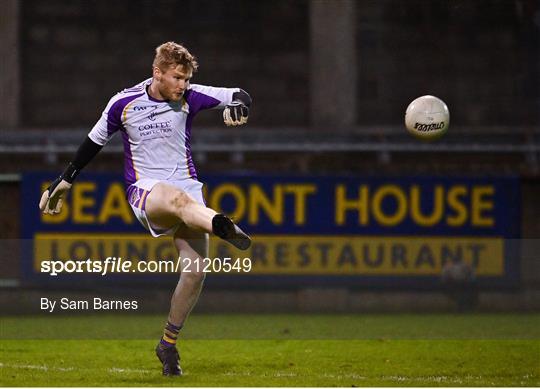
(172, 54)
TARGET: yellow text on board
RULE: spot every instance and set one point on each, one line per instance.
(454, 206)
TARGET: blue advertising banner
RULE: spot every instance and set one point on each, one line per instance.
(307, 230)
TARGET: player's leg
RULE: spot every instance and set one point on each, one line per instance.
(192, 245)
(167, 205)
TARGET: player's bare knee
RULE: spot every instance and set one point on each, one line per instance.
(179, 201)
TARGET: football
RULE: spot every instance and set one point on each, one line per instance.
(427, 117)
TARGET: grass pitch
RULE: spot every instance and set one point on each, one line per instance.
(275, 350)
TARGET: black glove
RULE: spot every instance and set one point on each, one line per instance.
(235, 114)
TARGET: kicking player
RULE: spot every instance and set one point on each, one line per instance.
(155, 118)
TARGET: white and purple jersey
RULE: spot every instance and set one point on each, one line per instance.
(156, 134)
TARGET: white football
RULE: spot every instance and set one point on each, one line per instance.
(427, 117)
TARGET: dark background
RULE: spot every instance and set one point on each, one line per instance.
(481, 57)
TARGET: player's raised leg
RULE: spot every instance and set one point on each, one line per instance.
(167, 205)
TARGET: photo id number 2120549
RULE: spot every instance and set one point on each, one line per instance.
(217, 265)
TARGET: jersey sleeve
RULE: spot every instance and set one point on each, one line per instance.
(111, 118)
(107, 125)
(209, 97)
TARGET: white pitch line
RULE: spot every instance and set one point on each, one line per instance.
(55, 368)
(233, 374)
(121, 370)
(38, 367)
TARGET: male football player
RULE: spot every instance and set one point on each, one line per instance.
(155, 120)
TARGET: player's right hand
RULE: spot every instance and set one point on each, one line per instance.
(235, 114)
(51, 199)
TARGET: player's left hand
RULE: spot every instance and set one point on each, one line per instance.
(235, 114)
(51, 199)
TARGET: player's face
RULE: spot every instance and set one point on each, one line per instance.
(173, 83)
